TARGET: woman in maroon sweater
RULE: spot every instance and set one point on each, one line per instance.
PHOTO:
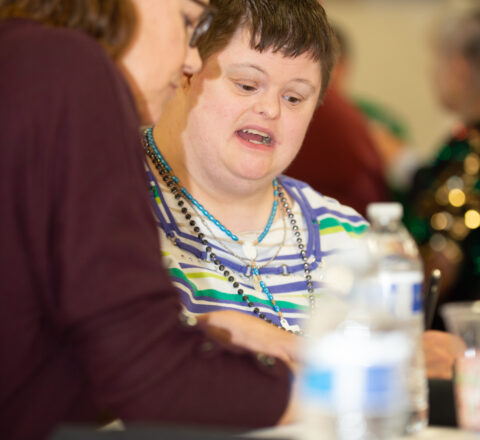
(88, 319)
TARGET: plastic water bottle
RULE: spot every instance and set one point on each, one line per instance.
(364, 374)
(400, 274)
(353, 386)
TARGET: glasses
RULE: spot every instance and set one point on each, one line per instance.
(203, 24)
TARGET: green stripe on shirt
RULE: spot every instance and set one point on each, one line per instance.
(218, 295)
(331, 225)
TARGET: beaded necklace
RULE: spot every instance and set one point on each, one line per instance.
(248, 261)
(247, 246)
(173, 183)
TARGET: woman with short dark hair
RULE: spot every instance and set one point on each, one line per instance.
(236, 233)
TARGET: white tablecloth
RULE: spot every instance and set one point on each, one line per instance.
(290, 432)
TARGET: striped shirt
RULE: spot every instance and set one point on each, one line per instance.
(326, 228)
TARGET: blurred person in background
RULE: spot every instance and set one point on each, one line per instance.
(89, 321)
(389, 133)
(443, 205)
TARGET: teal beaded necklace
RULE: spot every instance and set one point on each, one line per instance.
(203, 210)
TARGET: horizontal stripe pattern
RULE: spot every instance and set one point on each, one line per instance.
(326, 228)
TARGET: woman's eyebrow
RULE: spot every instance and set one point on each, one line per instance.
(248, 65)
(304, 81)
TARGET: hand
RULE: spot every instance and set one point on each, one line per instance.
(249, 332)
(440, 350)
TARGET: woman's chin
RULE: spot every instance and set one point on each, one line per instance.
(152, 111)
(255, 177)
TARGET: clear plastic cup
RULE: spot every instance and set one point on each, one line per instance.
(463, 319)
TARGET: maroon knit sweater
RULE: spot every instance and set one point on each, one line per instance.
(88, 318)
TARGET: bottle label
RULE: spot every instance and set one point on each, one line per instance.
(372, 389)
(403, 293)
(352, 373)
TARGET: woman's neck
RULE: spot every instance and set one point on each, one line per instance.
(239, 214)
(240, 211)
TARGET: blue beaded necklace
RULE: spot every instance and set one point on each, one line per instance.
(201, 208)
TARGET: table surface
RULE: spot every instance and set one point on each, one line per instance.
(290, 432)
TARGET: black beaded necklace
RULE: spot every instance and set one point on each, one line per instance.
(172, 183)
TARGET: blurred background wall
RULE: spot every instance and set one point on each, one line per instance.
(391, 60)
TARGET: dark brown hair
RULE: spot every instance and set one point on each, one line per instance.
(292, 27)
(111, 22)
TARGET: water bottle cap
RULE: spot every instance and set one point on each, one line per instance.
(384, 212)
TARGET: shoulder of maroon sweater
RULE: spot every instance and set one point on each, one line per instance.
(39, 48)
(43, 70)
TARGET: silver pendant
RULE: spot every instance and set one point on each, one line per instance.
(293, 328)
(249, 250)
(256, 284)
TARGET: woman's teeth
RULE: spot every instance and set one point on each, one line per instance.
(257, 137)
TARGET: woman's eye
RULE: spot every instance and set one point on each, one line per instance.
(292, 99)
(246, 87)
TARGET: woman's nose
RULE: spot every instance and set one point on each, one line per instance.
(193, 62)
(268, 105)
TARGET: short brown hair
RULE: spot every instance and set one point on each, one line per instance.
(292, 27)
(111, 22)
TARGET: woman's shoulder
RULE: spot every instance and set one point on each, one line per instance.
(65, 68)
(28, 34)
(316, 200)
(39, 48)
(327, 212)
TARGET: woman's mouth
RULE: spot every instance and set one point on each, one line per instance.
(256, 137)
